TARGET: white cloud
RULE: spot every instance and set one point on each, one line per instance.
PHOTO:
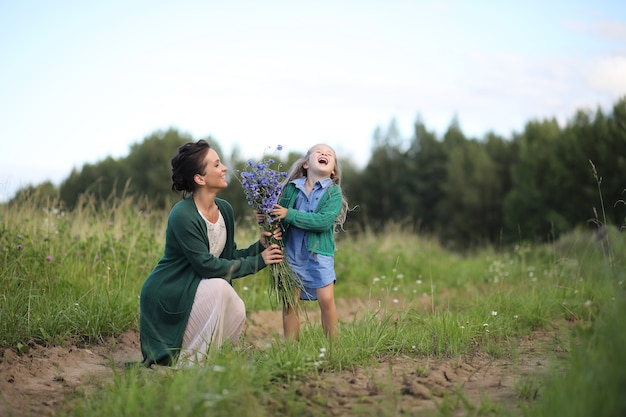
(609, 75)
(611, 30)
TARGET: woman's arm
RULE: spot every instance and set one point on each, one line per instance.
(189, 242)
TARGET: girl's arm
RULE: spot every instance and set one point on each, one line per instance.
(323, 218)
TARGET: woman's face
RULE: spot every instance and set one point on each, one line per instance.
(215, 172)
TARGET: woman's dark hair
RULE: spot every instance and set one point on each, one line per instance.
(188, 163)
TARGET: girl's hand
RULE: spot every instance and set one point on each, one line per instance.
(279, 212)
(272, 255)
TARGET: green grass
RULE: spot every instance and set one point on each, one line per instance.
(67, 277)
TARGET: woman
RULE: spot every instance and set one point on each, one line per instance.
(187, 303)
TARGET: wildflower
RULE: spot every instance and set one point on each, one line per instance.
(262, 186)
(515, 316)
(418, 282)
(588, 303)
(19, 247)
(49, 258)
(279, 148)
(396, 301)
(218, 368)
(494, 313)
(322, 352)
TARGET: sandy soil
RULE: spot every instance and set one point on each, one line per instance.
(37, 383)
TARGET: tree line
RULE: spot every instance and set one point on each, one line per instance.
(534, 185)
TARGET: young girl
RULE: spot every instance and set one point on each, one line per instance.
(312, 204)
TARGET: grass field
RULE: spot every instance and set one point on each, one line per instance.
(74, 278)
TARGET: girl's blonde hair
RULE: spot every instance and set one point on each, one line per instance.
(298, 170)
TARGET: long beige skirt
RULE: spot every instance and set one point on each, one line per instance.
(217, 314)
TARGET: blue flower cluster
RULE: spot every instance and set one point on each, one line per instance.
(262, 185)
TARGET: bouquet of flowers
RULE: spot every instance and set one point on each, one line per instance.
(262, 186)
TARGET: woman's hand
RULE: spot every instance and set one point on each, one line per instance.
(277, 234)
(279, 212)
(272, 255)
(260, 217)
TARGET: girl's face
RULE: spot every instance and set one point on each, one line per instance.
(321, 161)
(215, 172)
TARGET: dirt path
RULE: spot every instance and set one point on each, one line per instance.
(36, 383)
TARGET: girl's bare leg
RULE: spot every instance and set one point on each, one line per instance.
(291, 320)
(326, 300)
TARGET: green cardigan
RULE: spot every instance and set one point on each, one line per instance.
(320, 225)
(168, 292)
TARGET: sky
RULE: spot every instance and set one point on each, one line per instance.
(81, 81)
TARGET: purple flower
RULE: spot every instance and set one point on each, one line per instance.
(262, 185)
(19, 247)
(49, 258)
(279, 148)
